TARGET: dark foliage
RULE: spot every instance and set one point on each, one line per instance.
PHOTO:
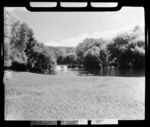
(127, 50)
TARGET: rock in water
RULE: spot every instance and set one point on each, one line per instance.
(65, 67)
(58, 68)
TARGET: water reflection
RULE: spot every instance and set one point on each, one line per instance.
(114, 72)
(105, 72)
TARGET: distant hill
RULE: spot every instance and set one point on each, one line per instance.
(59, 49)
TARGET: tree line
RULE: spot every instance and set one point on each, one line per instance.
(125, 51)
(22, 52)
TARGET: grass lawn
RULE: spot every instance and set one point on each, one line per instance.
(31, 96)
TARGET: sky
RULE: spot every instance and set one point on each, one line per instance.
(71, 28)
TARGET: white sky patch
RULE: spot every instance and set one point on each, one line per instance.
(117, 18)
(51, 43)
(12, 9)
(68, 42)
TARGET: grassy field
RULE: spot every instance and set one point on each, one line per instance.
(31, 96)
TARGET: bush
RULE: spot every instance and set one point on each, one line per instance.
(41, 60)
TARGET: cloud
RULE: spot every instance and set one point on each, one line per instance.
(74, 41)
(51, 43)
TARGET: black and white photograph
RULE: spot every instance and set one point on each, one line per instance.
(74, 65)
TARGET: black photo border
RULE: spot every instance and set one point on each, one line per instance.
(131, 3)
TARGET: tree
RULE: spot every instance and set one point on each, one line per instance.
(8, 21)
(128, 49)
(41, 60)
(18, 44)
(91, 58)
(86, 45)
(7, 61)
(70, 58)
(61, 57)
(103, 56)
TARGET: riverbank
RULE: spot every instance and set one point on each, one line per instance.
(31, 96)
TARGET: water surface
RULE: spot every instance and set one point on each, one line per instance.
(104, 72)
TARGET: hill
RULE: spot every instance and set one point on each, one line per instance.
(57, 50)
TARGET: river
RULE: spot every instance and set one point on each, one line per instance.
(105, 72)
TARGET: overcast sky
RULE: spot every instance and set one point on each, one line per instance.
(70, 28)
